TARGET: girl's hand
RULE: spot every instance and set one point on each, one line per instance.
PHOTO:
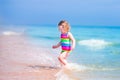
(54, 46)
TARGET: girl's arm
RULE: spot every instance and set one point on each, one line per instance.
(56, 46)
(72, 39)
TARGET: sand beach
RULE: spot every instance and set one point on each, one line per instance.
(20, 60)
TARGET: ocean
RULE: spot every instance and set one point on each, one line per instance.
(96, 55)
(97, 49)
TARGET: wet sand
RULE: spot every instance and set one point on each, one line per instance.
(20, 60)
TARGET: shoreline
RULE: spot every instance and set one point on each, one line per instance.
(22, 61)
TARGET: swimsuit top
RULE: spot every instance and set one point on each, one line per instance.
(65, 42)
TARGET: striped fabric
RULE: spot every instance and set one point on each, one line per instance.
(65, 42)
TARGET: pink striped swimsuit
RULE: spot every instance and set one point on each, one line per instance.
(65, 43)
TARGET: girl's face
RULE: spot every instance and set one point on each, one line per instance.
(62, 28)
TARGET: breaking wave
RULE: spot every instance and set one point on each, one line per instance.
(94, 43)
(8, 33)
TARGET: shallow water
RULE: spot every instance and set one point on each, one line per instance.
(97, 48)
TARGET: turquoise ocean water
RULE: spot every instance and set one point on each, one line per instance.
(97, 48)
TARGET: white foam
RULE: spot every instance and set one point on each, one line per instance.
(94, 43)
(75, 67)
(72, 71)
(68, 72)
(8, 33)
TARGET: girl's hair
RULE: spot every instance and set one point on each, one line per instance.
(65, 24)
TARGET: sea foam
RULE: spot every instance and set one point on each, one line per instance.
(94, 43)
(8, 33)
(69, 71)
(73, 71)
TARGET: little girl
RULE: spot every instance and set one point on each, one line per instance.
(67, 41)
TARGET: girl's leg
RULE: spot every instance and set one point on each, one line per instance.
(62, 58)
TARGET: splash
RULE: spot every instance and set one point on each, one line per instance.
(69, 72)
(74, 71)
(94, 43)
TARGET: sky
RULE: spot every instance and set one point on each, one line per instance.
(76, 12)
